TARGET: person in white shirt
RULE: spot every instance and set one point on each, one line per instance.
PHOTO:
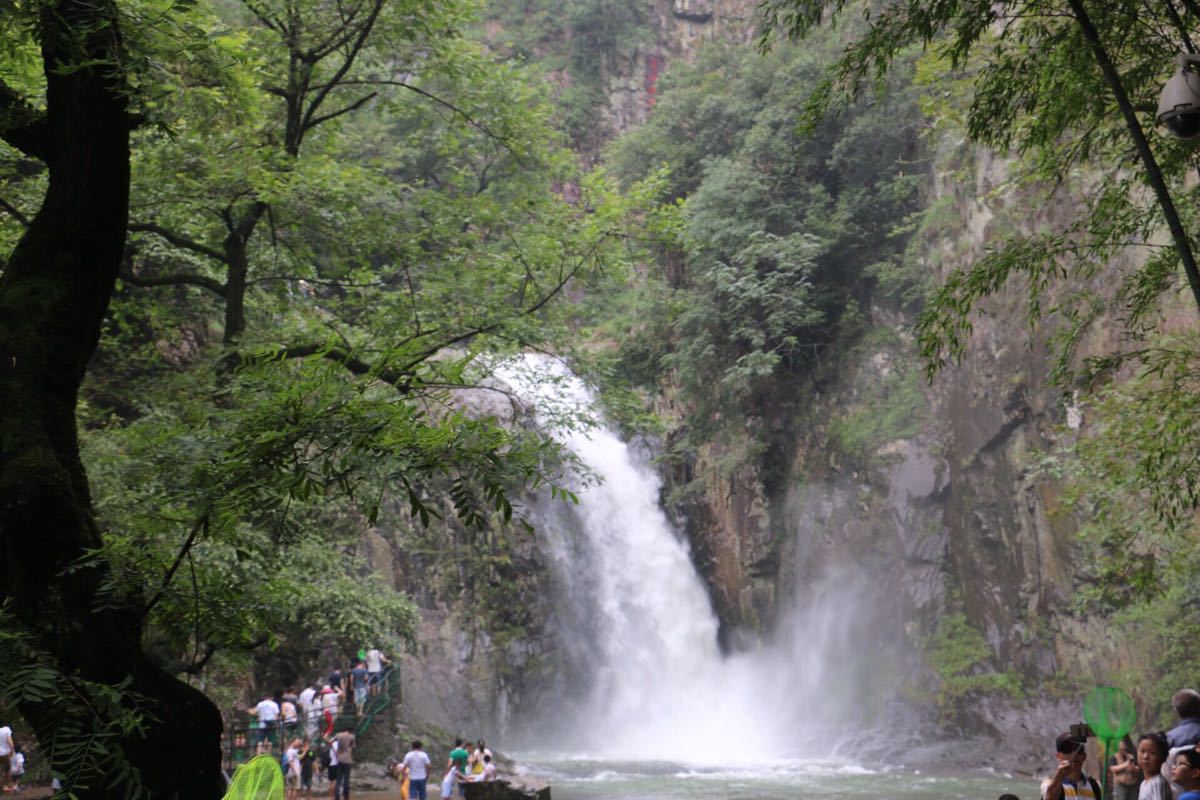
(416, 765)
(267, 712)
(488, 773)
(291, 774)
(309, 714)
(330, 700)
(376, 661)
(18, 770)
(451, 777)
(7, 749)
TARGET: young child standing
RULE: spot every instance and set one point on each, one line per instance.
(17, 770)
(1151, 753)
(1185, 772)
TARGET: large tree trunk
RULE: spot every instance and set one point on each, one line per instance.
(53, 296)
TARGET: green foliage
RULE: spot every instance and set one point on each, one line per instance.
(782, 234)
(959, 655)
(1136, 503)
(90, 718)
(893, 408)
(338, 221)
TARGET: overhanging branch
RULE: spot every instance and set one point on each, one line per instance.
(22, 125)
(178, 240)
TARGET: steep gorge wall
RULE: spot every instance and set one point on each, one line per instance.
(936, 506)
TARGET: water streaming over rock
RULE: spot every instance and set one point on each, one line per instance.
(643, 675)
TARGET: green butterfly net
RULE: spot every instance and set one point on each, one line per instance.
(1109, 712)
(260, 778)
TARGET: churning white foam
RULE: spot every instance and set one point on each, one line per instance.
(647, 679)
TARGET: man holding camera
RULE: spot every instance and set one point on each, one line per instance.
(1068, 781)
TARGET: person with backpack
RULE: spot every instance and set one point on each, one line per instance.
(1068, 781)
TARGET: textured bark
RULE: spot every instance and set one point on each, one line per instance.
(53, 296)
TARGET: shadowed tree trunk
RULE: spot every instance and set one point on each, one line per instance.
(53, 296)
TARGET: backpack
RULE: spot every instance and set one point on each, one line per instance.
(324, 757)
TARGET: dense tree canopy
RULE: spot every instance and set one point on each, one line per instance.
(782, 237)
(338, 216)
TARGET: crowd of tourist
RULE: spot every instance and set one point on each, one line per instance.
(284, 715)
(300, 725)
(1163, 765)
(467, 763)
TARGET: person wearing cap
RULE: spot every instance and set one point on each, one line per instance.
(1068, 781)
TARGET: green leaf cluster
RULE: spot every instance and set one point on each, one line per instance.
(782, 233)
(959, 655)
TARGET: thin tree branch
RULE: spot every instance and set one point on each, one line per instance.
(201, 525)
(14, 212)
(1149, 163)
(22, 125)
(174, 279)
(331, 115)
(178, 240)
(474, 123)
(355, 48)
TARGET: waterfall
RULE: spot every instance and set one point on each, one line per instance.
(644, 677)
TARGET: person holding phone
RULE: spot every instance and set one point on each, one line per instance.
(1068, 781)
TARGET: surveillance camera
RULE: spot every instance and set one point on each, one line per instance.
(1179, 103)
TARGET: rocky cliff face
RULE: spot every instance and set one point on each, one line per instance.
(925, 491)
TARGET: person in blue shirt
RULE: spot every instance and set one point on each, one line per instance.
(1185, 773)
(1187, 732)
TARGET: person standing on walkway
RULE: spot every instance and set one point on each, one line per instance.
(7, 750)
(358, 679)
(416, 766)
(267, 713)
(309, 712)
(329, 707)
(344, 742)
(291, 769)
(1185, 773)
(376, 661)
(1126, 773)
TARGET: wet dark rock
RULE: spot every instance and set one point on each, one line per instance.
(504, 789)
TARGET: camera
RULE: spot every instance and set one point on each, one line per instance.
(1080, 730)
(1179, 102)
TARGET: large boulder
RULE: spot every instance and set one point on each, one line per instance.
(506, 790)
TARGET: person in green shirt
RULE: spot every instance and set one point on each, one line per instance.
(458, 759)
(458, 756)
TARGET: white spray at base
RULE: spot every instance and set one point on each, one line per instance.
(649, 681)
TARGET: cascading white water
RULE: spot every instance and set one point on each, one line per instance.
(649, 679)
